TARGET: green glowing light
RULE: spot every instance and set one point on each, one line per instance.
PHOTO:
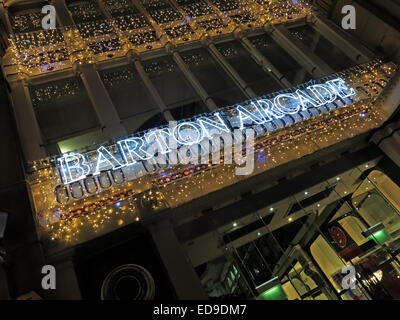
(380, 237)
(275, 293)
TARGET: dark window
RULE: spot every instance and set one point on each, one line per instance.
(280, 59)
(130, 97)
(213, 78)
(252, 73)
(323, 48)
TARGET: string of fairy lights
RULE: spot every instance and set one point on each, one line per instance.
(228, 51)
(53, 91)
(71, 220)
(96, 38)
(67, 88)
(115, 78)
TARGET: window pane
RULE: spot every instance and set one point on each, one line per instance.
(323, 48)
(213, 78)
(80, 142)
(280, 59)
(26, 21)
(256, 78)
(126, 15)
(131, 98)
(63, 110)
(170, 82)
(376, 200)
(189, 110)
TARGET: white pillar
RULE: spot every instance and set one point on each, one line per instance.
(28, 128)
(181, 273)
(248, 92)
(390, 98)
(265, 63)
(300, 52)
(350, 46)
(151, 88)
(208, 101)
(101, 101)
(391, 147)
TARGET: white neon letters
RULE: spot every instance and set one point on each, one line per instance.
(323, 93)
(287, 103)
(341, 88)
(104, 156)
(161, 138)
(188, 133)
(132, 150)
(216, 127)
(170, 143)
(73, 168)
(245, 114)
(271, 112)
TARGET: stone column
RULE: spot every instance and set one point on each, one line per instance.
(301, 53)
(265, 63)
(6, 19)
(191, 78)
(181, 273)
(350, 46)
(150, 87)
(230, 70)
(101, 101)
(391, 147)
(27, 125)
(63, 14)
(388, 140)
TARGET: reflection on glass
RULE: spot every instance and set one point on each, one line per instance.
(331, 265)
(261, 242)
(63, 111)
(302, 282)
(213, 78)
(280, 59)
(170, 82)
(130, 97)
(255, 77)
(323, 48)
(377, 200)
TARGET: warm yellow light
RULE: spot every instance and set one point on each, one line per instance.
(378, 275)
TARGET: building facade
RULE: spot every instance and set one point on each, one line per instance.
(87, 100)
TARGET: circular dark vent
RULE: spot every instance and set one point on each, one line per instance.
(128, 282)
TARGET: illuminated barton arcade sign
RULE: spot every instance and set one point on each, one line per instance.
(135, 156)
